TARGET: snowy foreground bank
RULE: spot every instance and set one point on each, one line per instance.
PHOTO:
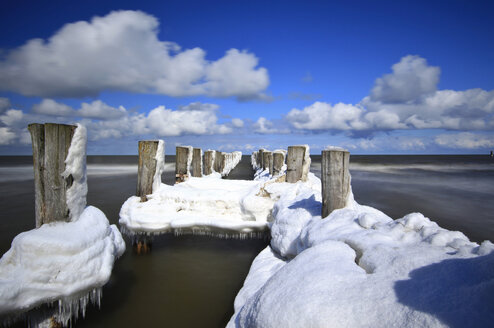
(360, 268)
(65, 263)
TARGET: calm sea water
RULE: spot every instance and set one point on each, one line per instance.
(191, 281)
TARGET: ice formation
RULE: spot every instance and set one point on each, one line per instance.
(64, 262)
(231, 161)
(75, 166)
(199, 205)
(160, 165)
(360, 268)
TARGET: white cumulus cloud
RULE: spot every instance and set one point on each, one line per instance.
(121, 51)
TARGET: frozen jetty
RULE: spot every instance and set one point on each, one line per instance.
(197, 203)
(63, 264)
(357, 267)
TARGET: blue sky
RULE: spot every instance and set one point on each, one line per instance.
(406, 77)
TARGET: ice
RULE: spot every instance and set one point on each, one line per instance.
(160, 165)
(360, 268)
(231, 161)
(75, 167)
(59, 261)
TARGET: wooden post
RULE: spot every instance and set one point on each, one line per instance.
(278, 162)
(209, 162)
(267, 161)
(295, 161)
(182, 163)
(197, 162)
(260, 158)
(51, 143)
(218, 159)
(335, 179)
(146, 168)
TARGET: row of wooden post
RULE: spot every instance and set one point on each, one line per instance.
(335, 175)
(51, 143)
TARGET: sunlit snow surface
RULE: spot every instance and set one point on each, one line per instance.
(360, 268)
(199, 205)
(59, 261)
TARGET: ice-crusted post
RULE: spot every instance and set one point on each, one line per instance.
(297, 163)
(209, 162)
(335, 178)
(147, 168)
(51, 144)
(278, 162)
(197, 162)
(267, 161)
(183, 159)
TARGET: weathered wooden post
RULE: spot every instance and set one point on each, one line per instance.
(209, 162)
(146, 168)
(335, 179)
(51, 143)
(278, 162)
(183, 158)
(267, 161)
(260, 158)
(297, 163)
(218, 159)
(197, 162)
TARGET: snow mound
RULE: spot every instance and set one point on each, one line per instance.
(360, 268)
(59, 261)
(202, 204)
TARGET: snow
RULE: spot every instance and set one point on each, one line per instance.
(160, 164)
(360, 268)
(64, 262)
(202, 204)
(75, 166)
(59, 261)
(231, 161)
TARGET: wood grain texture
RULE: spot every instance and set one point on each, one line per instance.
(335, 178)
(51, 143)
(209, 162)
(197, 163)
(146, 168)
(294, 163)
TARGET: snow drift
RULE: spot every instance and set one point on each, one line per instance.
(360, 268)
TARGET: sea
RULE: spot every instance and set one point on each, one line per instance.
(192, 281)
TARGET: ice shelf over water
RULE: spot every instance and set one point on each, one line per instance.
(360, 268)
(63, 262)
(201, 205)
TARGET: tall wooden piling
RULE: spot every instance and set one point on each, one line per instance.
(335, 178)
(267, 161)
(278, 162)
(218, 160)
(146, 168)
(296, 169)
(260, 158)
(209, 162)
(51, 143)
(182, 163)
(197, 162)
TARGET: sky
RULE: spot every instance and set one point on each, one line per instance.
(374, 77)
